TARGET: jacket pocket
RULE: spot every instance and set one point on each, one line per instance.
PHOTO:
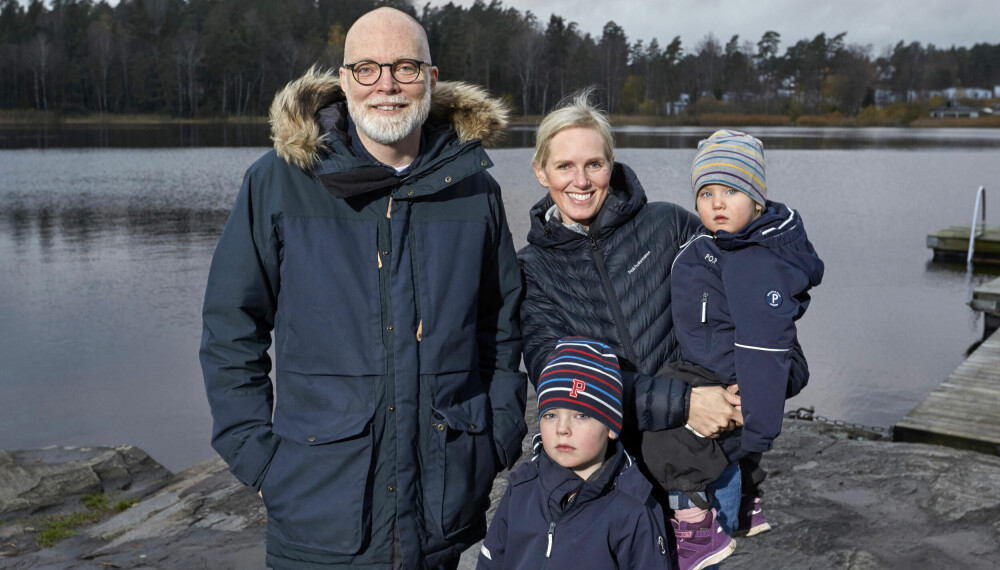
(329, 319)
(317, 486)
(459, 465)
(706, 327)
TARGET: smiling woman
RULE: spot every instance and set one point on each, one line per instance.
(574, 156)
(577, 174)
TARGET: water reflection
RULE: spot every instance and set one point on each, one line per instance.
(79, 228)
(792, 138)
(104, 255)
(135, 136)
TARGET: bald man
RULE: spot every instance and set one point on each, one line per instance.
(374, 245)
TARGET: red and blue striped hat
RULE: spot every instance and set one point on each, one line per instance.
(733, 159)
(583, 375)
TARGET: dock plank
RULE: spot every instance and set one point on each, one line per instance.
(986, 297)
(964, 410)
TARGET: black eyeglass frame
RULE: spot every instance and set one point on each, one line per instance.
(391, 67)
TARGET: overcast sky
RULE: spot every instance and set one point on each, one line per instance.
(880, 23)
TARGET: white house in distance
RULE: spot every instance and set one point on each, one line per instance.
(967, 93)
(954, 109)
(678, 107)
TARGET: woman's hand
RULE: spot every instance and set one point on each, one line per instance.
(713, 409)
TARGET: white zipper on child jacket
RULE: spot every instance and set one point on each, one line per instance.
(704, 305)
(552, 529)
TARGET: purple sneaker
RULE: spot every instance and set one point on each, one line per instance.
(702, 543)
(751, 519)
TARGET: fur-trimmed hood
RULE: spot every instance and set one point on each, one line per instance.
(298, 135)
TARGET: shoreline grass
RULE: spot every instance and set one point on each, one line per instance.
(57, 528)
(32, 118)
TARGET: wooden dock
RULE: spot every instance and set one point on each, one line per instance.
(952, 244)
(964, 411)
(986, 298)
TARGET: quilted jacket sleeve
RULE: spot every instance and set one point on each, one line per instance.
(542, 325)
(661, 401)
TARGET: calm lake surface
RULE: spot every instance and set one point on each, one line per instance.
(104, 252)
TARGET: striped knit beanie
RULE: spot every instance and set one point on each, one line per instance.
(583, 375)
(733, 159)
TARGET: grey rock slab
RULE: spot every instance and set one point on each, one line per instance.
(834, 502)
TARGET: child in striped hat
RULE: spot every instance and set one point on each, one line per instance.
(737, 287)
(581, 502)
(580, 404)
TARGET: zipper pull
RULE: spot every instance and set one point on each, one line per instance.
(552, 529)
(704, 306)
(593, 244)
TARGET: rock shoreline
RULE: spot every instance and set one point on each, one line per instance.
(835, 501)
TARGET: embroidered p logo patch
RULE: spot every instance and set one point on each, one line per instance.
(774, 299)
(578, 386)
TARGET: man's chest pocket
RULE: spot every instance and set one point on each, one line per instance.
(329, 318)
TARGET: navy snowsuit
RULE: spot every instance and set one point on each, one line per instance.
(736, 298)
(613, 522)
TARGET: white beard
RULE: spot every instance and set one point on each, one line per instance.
(389, 130)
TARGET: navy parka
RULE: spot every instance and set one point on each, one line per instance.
(396, 395)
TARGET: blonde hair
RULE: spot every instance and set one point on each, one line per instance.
(575, 111)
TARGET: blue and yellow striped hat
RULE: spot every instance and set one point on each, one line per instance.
(733, 159)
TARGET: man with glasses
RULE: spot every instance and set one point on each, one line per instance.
(375, 246)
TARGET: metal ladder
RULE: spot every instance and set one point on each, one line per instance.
(978, 212)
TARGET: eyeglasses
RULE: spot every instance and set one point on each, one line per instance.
(369, 72)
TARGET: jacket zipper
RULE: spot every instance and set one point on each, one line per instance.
(548, 551)
(415, 276)
(616, 310)
(704, 320)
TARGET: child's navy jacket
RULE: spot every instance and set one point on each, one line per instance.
(736, 298)
(612, 522)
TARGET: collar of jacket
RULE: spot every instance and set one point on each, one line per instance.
(772, 220)
(625, 198)
(556, 481)
(781, 230)
(309, 130)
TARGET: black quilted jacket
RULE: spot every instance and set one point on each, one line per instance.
(611, 285)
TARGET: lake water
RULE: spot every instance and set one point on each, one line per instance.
(104, 253)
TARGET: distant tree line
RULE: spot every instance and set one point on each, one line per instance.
(194, 58)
